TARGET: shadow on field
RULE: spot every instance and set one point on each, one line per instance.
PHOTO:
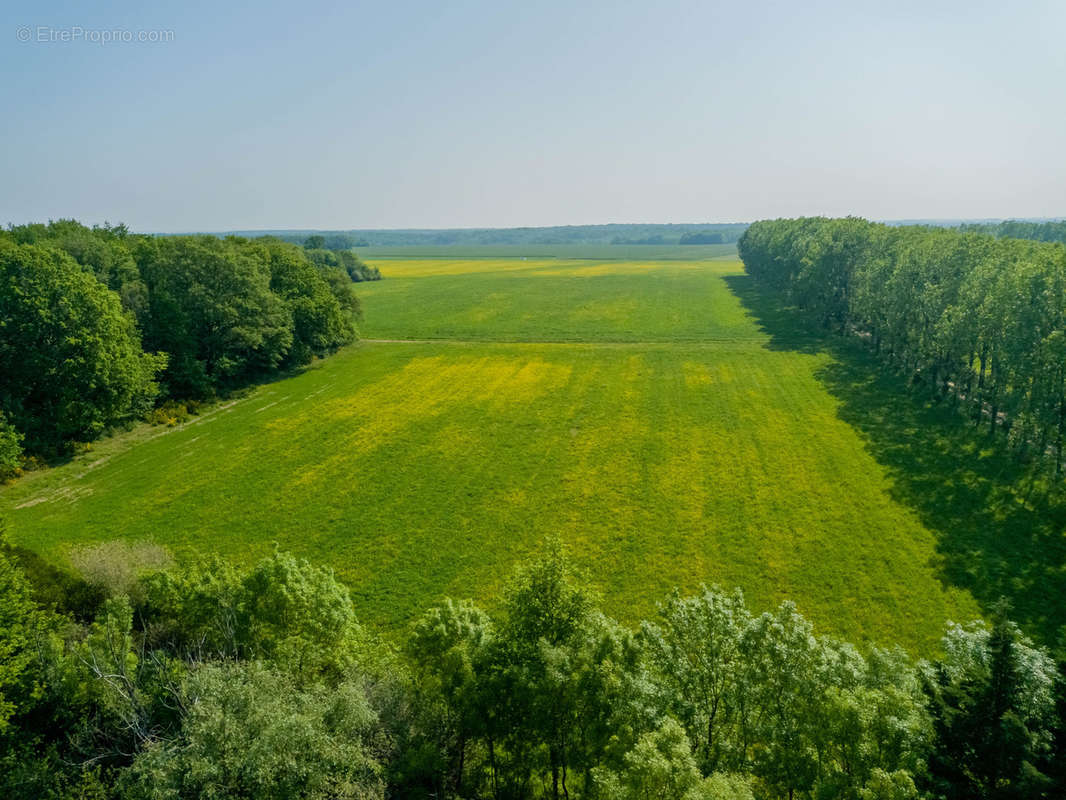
(1001, 531)
(53, 587)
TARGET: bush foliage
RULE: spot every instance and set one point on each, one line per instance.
(216, 682)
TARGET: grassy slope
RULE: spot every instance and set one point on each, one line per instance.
(642, 413)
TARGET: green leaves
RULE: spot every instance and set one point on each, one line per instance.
(992, 699)
(250, 731)
(70, 357)
(212, 310)
(19, 618)
(320, 324)
(283, 610)
(958, 313)
(217, 313)
(226, 683)
(10, 449)
(545, 601)
(763, 695)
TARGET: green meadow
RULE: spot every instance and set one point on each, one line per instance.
(635, 252)
(670, 424)
(546, 300)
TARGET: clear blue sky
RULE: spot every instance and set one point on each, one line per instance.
(469, 114)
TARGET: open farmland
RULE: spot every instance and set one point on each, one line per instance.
(516, 252)
(652, 413)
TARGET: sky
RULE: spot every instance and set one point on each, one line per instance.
(459, 113)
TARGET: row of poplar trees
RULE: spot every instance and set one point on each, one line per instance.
(977, 320)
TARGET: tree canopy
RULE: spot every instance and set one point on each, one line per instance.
(975, 320)
(212, 680)
(98, 324)
(70, 357)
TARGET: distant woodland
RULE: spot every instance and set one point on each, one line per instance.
(705, 233)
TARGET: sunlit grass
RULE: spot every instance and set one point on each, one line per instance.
(516, 252)
(634, 409)
(494, 300)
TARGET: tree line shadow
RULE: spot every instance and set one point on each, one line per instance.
(52, 586)
(1000, 523)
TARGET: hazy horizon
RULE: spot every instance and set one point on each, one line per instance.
(679, 223)
(479, 115)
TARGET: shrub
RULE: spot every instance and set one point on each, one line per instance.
(115, 567)
(171, 413)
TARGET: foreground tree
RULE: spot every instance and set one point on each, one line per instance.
(248, 731)
(660, 765)
(993, 704)
(221, 682)
(696, 648)
(283, 610)
(446, 648)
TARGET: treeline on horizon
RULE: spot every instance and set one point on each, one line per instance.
(616, 234)
(620, 233)
(99, 326)
(976, 321)
(1054, 231)
(213, 681)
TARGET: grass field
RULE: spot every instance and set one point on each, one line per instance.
(553, 301)
(657, 415)
(615, 252)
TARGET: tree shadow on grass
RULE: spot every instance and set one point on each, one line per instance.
(1000, 524)
(53, 587)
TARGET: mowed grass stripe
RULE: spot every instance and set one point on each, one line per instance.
(422, 469)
